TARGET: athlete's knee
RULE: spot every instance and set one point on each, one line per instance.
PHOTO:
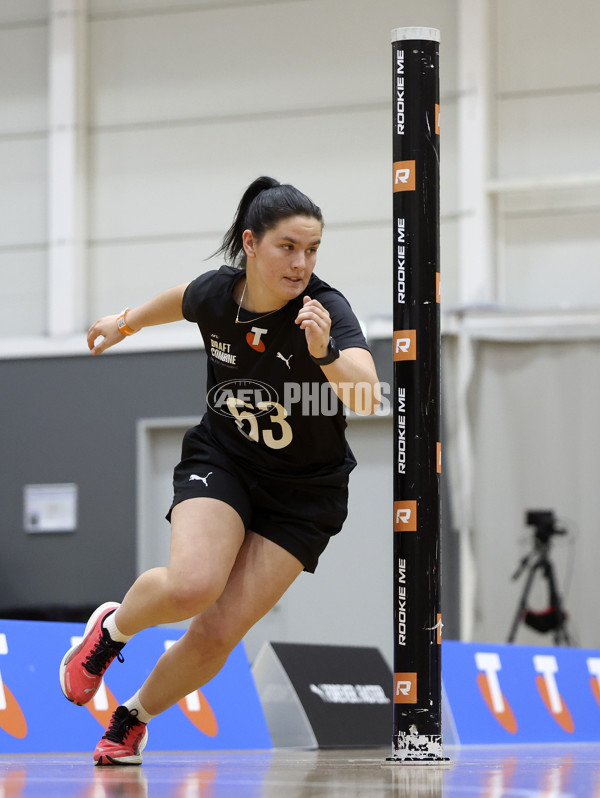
(188, 597)
(212, 632)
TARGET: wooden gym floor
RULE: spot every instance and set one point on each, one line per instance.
(549, 771)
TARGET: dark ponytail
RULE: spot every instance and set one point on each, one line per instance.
(263, 205)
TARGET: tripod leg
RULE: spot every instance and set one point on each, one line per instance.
(561, 634)
(523, 602)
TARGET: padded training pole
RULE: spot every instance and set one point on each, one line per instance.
(417, 448)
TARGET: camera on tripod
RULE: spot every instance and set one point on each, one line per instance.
(554, 617)
(544, 523)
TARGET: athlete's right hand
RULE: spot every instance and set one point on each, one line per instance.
(106, 329)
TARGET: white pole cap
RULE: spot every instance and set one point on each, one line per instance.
(422, 34)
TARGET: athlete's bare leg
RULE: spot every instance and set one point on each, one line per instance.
(206, 536)
(262, 573)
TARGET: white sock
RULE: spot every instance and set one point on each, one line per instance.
(111, 627)
(134, 703)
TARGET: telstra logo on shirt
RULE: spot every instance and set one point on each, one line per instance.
(253, 338)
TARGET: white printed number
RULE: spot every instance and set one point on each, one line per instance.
(248, 423)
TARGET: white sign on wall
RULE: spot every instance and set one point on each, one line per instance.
(50, 508)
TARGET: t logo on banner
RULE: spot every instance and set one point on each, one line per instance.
(12, 719)
(593, 664)
(489, 686)
(547, 666)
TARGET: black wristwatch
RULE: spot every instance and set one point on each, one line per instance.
(332, 354)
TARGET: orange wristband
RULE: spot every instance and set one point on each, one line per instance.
(122, 325)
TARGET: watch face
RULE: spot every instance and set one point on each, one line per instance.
(332, 354)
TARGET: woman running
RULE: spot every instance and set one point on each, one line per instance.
(263, 480)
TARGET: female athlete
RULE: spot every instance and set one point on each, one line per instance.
(262, 482)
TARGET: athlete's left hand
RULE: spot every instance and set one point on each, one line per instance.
(314, 319)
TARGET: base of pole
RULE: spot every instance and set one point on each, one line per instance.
(444, 762)
(411, 748)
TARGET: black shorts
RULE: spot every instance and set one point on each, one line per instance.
(300, 515)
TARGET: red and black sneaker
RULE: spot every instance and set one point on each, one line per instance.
(83, 666)
(123, 741)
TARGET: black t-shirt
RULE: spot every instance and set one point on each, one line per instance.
(269, 406)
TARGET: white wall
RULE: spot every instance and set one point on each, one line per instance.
(23, 122)
(189, 108)
(187, 103)
(547, 110)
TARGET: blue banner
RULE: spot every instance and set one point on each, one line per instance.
(520, 694)
(35, 716)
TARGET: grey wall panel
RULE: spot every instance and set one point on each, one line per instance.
(74, 420)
